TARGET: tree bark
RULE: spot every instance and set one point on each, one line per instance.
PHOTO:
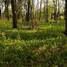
(28, 12)
(40, 10)
(7, 9)
(55, 10)
(65, 14)
(46, 11)
(13, 4)
(0, 12)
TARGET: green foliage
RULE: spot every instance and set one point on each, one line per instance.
(44, 47)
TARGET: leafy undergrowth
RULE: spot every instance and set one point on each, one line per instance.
(44, 47)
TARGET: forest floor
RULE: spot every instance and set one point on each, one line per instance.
(44, 46)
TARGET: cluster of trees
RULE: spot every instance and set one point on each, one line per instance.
(29, 11)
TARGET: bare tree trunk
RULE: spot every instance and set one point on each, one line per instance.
(40, 9)
(33, 16)
(37, 12)
(7, 9)
(55, 10)
(0, 13)
(13, 4)
(58, 10)
(19, 9)
(65, 14)
(46, 11)
(28, 11)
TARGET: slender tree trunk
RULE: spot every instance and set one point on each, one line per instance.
(37, 12)
(19, 10)
(7, 9)
(0, 12)
(28, 12)
(46, 11)
(13, 4)
(40, 9)
(55, 10)
(58, 10)
(33, 17)
(65, 14)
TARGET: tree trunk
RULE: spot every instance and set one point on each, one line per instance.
(13, 4)
(28, 12)
(0, 13)
(58, 13)
(40, 10)
(46, 11)
(65, 14)
(7, 9)
(55, 10)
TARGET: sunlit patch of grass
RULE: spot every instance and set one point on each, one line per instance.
(5, 24)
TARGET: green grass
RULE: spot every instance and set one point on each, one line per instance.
(42, 47)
